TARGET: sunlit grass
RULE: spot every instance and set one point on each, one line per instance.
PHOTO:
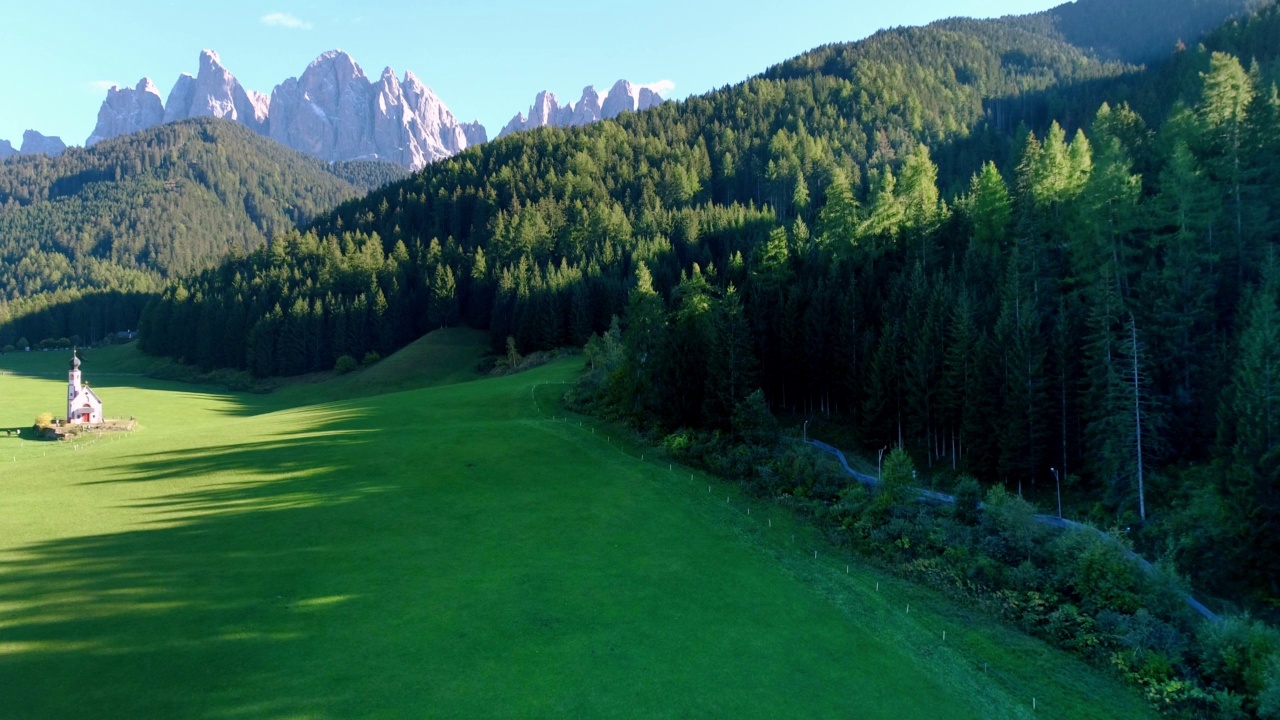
(453, 550)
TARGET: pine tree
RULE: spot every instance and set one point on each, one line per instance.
(989, 209)
(922, 372)
(962, 394)
(917, 190)
(643, 338)
(882, 405)
(1110, 204)
(1250, 429)
(838, 219)
(1181, 290)
(1223, 114)
(682, 364)
(442, 307)
(731, 373)
(1022, 357)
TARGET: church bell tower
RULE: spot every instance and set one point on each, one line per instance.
(73, 382)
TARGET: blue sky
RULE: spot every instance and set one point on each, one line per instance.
(486, 60)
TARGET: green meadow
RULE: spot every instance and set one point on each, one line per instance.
(414, 541)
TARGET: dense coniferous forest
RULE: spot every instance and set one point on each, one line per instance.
(1015, 258)
(87, 237)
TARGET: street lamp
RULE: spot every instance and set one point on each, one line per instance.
(879, 457)
(1058, 482)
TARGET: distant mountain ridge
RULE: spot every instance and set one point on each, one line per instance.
(333, 111)
(592, 107)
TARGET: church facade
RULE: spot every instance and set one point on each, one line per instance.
(83, 405)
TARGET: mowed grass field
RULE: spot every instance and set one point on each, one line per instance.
(462, 549)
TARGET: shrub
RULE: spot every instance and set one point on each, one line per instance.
(371, 357)
(853, 501)
(23, 344)
(9, 348)
(753, 422)
(1099, 571)
(894, 487)
(1238, 653)
(346, 364)
(1269, 699)
(1143, 633)
(513, 354)
(236, 380)
(968, 496)
(44, 420)
(1013, 520)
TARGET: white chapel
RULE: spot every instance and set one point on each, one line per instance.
(83, 405)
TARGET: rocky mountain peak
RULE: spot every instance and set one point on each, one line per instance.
(210, 63)
(334, 111)
(215, 92)
(127, 111)
(593, 106)
(33, 143)
(6, 149)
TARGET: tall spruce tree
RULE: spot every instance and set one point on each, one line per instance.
(731, 372)
(1250, 429)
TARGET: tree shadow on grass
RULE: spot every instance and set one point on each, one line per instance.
(224, 600)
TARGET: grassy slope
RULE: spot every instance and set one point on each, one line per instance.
(447, 551)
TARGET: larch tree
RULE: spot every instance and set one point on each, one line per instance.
(1224, 115)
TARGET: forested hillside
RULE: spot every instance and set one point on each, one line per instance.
(87, 236)
(1102, 301)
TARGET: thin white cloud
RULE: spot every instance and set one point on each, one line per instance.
(662, 87)
(101, 86)
(284, 20)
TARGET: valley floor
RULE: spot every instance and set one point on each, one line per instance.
(461, 549)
